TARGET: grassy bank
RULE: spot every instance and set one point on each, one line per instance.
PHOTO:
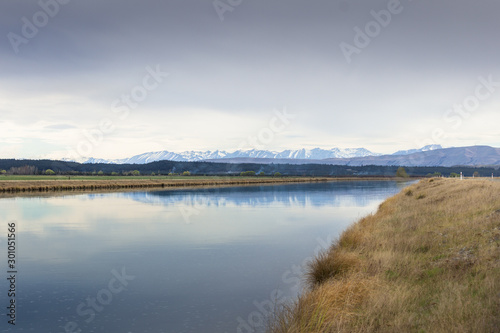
(427, 261)
(43, 184)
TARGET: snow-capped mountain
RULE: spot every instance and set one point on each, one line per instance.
(319, 154)
(412, 151)
(316, 154)
(432, 155)
(166, 155)
(97, 161)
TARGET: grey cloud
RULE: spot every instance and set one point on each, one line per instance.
(264, 54)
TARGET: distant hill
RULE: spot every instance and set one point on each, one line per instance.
(413, 151)
(446, 157)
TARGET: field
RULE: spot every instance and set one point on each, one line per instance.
(45, 178)
(427, 261)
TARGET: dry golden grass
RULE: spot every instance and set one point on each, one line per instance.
(427, 261)
(326, 308)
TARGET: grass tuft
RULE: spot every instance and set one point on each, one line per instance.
(328, 265)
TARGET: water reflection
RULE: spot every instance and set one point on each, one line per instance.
(200, 258)
(339, 194)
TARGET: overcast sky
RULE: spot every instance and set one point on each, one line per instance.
(116, 78)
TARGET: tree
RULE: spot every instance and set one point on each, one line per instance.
(277, 174)
(401, 173)
(262, 173)
(100, 173)
(24, 170)
(3, 172)
(476, 174)
(248, 173)
(50, 172)
(186, 173)
(114, 173)
(454, 175)
(136, 173)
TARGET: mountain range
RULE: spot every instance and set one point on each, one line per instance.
(299, 154)
(191, 156)
(432, 155)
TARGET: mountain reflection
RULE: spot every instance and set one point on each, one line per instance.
(334, 194)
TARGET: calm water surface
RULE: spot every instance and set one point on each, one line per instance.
(206, 260)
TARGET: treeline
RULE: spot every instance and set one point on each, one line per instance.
(38, 167)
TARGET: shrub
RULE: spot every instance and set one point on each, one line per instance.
(328, 265)
(401, 173)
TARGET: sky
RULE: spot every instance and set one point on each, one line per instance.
(116, 78)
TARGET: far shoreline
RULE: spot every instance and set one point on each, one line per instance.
(62, 185)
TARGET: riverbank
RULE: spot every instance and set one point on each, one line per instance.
(427, 261)
(56, 185)
(37, 184)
